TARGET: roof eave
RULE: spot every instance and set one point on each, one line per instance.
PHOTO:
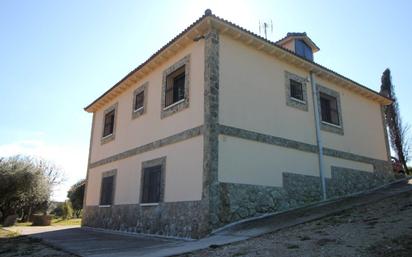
(250, 38)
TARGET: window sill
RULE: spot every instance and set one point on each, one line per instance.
(297, 100)
(174, 104)
(138, 109)
(107, 136)
(107, 139)
(105, 206)
(331, 124)
(149, 204)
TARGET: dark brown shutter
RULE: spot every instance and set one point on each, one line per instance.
(106, 197)
(175, 86)
(152, 184)
(179, 87)
(108, 123)
(146, 179)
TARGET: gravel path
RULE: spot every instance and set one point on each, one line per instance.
(379, 229)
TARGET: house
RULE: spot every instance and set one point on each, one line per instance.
(220, 125)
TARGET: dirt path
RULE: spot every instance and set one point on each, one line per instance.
(378, 229)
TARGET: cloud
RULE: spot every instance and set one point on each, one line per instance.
(70, 158)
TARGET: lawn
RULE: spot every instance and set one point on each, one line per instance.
(55, 222)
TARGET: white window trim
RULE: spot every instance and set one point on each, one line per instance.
(139, 109)
(111, 134)
(105, 206)
(297, 100)
(149, 204)
(174, 104)
(331, 124)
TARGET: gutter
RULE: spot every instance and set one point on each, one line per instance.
(318, 135)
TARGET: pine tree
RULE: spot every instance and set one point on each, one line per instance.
(397, 131)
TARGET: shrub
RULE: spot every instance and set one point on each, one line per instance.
(67, 210)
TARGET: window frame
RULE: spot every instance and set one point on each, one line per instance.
(142, 110)
(110, 173)
(107, 138)
(144, 170)
(301, 104)
(325, 125)
(182, 103)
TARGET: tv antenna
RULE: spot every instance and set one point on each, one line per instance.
(265, 26)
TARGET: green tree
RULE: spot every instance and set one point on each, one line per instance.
(397, 130)
(76, 195)
(25, 186)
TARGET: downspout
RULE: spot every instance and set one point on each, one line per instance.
(318, 135)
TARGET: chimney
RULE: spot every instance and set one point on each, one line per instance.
(300, 44)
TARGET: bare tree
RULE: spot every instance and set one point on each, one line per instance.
(53, 173)
(397, 130)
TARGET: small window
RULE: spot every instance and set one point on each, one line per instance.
(296, 90)
(329, 109)
(296, 95)
(152, 184)
(139, 101)
(109, 123)
(107, 191)
(175, 87)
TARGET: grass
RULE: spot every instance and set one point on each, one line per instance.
(55, 222)
(70, 222)
(8, 234)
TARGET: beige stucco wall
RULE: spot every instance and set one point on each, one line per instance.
(290, 45)
(252, 94)
(149, 127)
(362, 124)
(253, 97)
(184, 160)
(183, 181)
(248, 162)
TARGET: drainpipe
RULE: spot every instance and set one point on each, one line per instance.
(318, 135)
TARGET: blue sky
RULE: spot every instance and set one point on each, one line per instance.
(58, 56)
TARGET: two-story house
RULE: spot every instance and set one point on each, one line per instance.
(220, 125)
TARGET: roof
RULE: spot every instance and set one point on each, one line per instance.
(201, 26)
(299, 35)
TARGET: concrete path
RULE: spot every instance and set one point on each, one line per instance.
(86, 242)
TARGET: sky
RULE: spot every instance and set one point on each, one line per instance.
(56, 57)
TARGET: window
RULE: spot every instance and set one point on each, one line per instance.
(175, 87)
(107, 190)
(296, 89)
(152, 181)
(108, 123)
(151, 184)
(296, 95)
(139, 101)
(329, 109)
(302, 49)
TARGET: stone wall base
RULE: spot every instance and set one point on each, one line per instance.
(236, 201)
(177, 219)
(239, 201)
